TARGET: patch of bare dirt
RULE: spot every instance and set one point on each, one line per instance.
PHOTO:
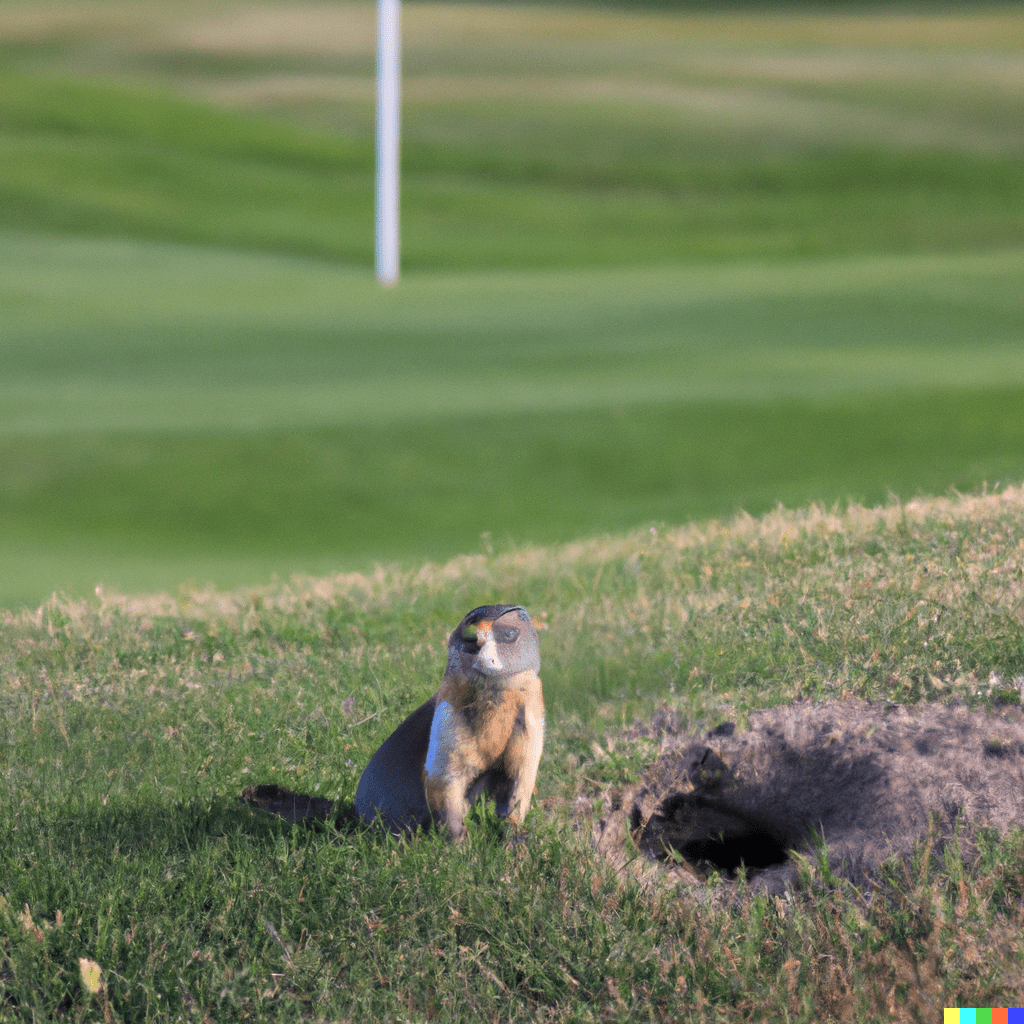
(869, 779)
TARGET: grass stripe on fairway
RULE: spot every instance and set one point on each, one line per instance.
(134, 336)
(432, 487)
(170, 413)
(544, 175)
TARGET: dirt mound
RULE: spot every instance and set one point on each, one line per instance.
(868, 778)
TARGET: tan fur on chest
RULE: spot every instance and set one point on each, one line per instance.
(489, 714)
(486, 730)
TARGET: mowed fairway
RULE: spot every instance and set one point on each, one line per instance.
(658, 267)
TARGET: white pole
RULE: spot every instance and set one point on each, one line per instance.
(389, 78)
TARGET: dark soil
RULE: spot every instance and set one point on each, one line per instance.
(869, 780)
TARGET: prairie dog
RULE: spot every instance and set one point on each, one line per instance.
(482, 732)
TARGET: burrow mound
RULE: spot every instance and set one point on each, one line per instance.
(869, 779)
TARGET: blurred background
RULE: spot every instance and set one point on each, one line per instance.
(659, 263)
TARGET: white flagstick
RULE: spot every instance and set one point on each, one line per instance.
(389, 77)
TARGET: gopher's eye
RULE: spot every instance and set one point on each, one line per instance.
(508, 634)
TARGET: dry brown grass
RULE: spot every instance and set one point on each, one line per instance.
(981, 563)
(256, 27)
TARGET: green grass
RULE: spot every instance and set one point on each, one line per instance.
(189, 431)
(129, 727)
(579, 183)
(107, 160)
(532, 137)
(657, 266)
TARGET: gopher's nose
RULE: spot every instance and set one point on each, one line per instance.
(487, 661)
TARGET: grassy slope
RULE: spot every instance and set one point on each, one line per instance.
(198, 412)
(571, 187)
(131, 726)
(193, 434)
(532, 138)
